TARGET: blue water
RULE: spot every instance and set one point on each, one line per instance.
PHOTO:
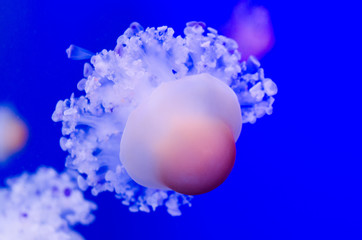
(297, 172)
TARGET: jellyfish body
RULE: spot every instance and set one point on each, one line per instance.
(13, 133)
(160, 115)
(251, 28)
(183, 136)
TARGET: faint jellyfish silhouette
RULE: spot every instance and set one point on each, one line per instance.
(160, 115)
(250, 26)
(13, 133)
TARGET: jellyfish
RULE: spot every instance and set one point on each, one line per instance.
(160, 115)
(43, 205)
(13, 133)
(250, 25)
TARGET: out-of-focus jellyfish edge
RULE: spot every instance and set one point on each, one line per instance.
(118, 80)
(44, 205)
(251, 27)
(13, 133)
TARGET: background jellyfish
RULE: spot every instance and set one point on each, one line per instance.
(120, 80)
(43, 206)
(13, 133)
(250, 25)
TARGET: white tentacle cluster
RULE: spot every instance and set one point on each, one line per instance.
(43, 206)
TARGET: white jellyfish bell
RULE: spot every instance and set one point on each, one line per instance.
(183, 137)
(161, 114)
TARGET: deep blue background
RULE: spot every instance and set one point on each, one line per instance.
(297, 174)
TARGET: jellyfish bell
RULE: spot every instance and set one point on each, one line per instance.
(251, 27)
(13, 133)
(196, 156)
(183, 136)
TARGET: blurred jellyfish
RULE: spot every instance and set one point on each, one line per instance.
(43, 206)
(251, 28)
(161, 115)
(13, 133)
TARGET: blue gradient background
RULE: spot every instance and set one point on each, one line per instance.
(297, 173)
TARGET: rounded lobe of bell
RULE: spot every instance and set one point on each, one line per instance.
(196, 156)
(201, 93)
(135, 148)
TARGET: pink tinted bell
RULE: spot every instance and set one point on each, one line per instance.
(183, 136)
(13, 133)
